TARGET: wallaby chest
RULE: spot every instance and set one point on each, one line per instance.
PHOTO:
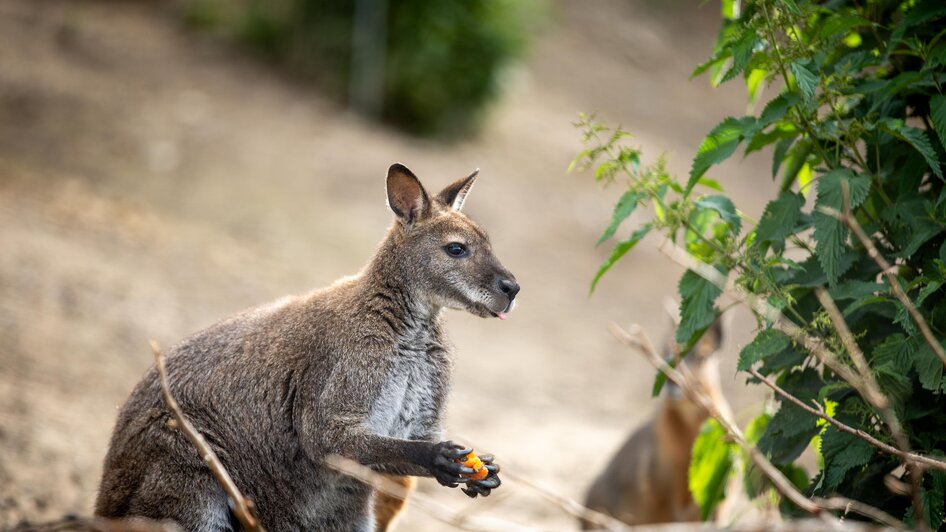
(411, 399)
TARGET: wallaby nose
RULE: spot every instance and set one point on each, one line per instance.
(509, 287)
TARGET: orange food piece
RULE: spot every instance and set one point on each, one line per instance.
(473, 462)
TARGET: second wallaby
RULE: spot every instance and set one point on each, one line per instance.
(646, 480)
(360, 369)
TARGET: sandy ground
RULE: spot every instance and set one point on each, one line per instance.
(153, 181)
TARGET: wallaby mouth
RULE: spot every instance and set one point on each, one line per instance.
(504, 313)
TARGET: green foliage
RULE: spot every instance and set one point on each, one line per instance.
(859, 124)
(443, 62)
(711, 463)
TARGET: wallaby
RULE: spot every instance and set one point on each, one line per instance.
(360, 369)
(646, 480)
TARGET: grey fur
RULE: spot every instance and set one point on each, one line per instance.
(360, 369)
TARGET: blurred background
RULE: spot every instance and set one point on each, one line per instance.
(165, 164)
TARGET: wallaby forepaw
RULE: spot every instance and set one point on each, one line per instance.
(443, 465)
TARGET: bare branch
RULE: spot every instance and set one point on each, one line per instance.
(638, 340)
(431, 507)
(243, 507)
(872, 393)
(889, 449)
(571, 506)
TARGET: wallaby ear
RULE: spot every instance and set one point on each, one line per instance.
(406, 196)
(455, 194)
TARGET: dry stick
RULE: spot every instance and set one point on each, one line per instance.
(885, 267)
(819, 412)
(243, 507)
(874, 395)
(639, 341)
(437, 510)
(877, 398)
(568, 505)
(571, 506)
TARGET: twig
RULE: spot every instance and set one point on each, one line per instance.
(566, 504)
(243, 507)
(431, 507)
(873, 394)
(889, 449)
(639, 341)
(571, 506)
(888, 270)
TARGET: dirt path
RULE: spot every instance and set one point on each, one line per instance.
(153, 181)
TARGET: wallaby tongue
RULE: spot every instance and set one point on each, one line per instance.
(501, 315)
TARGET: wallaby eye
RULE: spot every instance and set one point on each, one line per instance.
(456, 249)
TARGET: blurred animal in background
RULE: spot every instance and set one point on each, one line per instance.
(646, 480)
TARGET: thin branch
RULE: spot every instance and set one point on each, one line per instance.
(819, 412)
(888, 271)
(243, 507)
(639, 341)
(426, 504)
(876, 397)
(571, 506)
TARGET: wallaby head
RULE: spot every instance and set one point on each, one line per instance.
(445, 257)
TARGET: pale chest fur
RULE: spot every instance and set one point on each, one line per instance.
(410, 405)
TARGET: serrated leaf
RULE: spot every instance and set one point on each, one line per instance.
(778, 155)
(697, 306)
(619, 251)
(830, 234)
(766, 343)
(938, 115)
(856, 289)
(711, 463)
(725, 208)
(622, 209)
(779, 218)
(929, 368)
(918, 139)
(842, 452)
(721, 142)
(776, 109)
(806, 80)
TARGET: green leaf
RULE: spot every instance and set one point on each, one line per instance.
(938, 116)
(721, 142)
(797, 159)
(830, 234)
(778, 155)
(624, 207)
(929, 368)
(806, 80)
(779, 218)
(916, 138)
(776, 109)
(725, 208)
(619, 251)
(842, 452)
(766, 343)
(697, 307)
(711, 463)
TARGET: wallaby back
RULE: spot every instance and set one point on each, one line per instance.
(646, 480)
(360, 369)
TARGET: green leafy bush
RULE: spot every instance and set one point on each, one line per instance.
(859, 123)
(443, 61)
